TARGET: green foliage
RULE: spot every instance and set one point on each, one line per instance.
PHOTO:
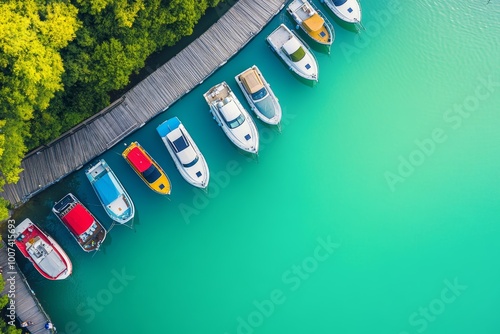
(4, 212)
(4, 300)
(7, 329)
(60, 60)
(31, 36)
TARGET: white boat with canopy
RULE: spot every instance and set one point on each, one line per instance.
(234, 120)
(294, 52)
(259, 95)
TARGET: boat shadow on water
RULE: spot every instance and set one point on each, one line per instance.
(310, 83)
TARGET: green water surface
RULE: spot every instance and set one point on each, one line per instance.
(375, 210)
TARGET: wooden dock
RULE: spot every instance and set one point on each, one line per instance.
(156, 93)
(27, 307)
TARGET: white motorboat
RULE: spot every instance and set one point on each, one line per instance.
(259, 95)
(294, 52)
(234, 120)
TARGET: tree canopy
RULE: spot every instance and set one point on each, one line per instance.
(61, 59)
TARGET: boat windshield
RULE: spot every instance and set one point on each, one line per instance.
(180, 144)
(151, 174)
(339, 2)
(260, 94)
(192, 163)
(236, 122)
(298, 55)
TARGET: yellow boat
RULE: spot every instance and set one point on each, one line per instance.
(149, 171)
(312, 21)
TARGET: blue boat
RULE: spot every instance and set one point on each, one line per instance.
(113, 197)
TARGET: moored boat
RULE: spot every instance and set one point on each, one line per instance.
(346, 10)
(311, 21)
(147, 168)
(186, 155)
(112, 195)
(234, 120)
(48, 258)
(259, 95)
(294, 52)
(80, 222)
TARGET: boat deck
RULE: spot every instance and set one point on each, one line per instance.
(217, 93)
(94, 238)
(312, 21)
(34, 244)
(27, 306)
(96, 171)
(300, 9)
(279, 37)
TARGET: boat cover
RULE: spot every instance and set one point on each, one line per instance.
(52, 264)
(230, 111)
(167, 126)
(47, 258)
(291, 45)
(139, 159)
(107, 189)
(78, 219)
(314, 23)
(251, 81)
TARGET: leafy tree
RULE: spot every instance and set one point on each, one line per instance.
(31, 35)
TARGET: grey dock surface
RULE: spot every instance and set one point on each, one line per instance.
(189, 68)
(27, 307)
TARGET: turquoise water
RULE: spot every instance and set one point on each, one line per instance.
(375, 210)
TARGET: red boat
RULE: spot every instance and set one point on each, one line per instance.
(83, 226)
(44, 252)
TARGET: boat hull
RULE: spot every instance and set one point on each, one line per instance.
(113, 197)
(303, 11)
(245, 136)
(307, 67)
(58, 261)
(87, 231)
(190, 174)
(349, 12)
(254, 105)
(162, 184)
